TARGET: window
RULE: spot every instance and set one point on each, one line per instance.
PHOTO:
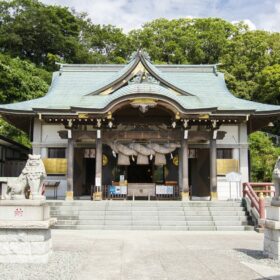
(224, 153)
(56, 152)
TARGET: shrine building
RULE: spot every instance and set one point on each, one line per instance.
(141, 131)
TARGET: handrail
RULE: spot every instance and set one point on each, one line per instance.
(266, 187)
(256, 196)
(249, 192)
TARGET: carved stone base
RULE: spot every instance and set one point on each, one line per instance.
(25, 245)
(18, 197)
(38, 197)
(25, 235)
(272, 232)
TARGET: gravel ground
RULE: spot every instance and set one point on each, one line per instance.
(254, 257)
(62, 265)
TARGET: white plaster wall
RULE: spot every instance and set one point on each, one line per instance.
(62, 188)
(231, 136)
(227, 191)
(50, 135)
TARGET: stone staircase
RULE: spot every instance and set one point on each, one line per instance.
(150, 215)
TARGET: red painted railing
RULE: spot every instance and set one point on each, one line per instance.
(255, 192)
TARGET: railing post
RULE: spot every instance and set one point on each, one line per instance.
(261, 206)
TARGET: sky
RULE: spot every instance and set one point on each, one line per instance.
(131, 14)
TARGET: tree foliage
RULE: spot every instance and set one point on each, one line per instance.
(263, 155)
(21, 80)
(32, 30)
(186, 40)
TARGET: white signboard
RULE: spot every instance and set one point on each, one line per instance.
(98, 181)
(233, 177)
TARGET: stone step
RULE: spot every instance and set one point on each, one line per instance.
(109, 204)
(171, 218)
(158, 227)
(229, 223)
(230, 218)
(202, 228)
(200, 223)
(228, 213)
(173, 223)
(150, 215)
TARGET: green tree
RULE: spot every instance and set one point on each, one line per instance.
(268, 85)
(32, 30)
(21, 80)
(263, 155)
(247, 54)
(106, 43)
(184, 40)
(13, 133)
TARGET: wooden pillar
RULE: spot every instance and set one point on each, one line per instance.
(98, 165)
(70, 164)
(184, 168)
(213, 169)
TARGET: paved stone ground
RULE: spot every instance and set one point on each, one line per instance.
(156, 255)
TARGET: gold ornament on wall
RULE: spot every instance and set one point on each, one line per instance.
(104, 160)
(175, 160)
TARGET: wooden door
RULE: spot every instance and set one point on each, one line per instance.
(200, 173)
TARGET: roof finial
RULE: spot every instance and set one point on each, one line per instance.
(140, 53)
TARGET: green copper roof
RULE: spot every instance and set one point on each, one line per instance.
(192, 87)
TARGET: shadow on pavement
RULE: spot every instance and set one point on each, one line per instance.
(269, 278)
(256, 254)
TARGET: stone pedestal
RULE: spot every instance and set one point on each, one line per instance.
(272, 232)
(25, 235)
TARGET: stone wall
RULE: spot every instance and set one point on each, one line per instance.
(25, 246)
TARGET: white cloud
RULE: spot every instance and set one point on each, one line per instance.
(130, 14)
(271, 21)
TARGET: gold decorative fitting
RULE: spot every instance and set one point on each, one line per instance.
(69, 195)
(55, 165)
(144, 104)
(205, 116)
(83, 116)
(177, 116)
(144, 101)
(225, 166)
(104, 160)
(109, 115)
(214, 195)
(175, 160)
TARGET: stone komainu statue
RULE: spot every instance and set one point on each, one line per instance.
(31, 177)
(276, 179)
